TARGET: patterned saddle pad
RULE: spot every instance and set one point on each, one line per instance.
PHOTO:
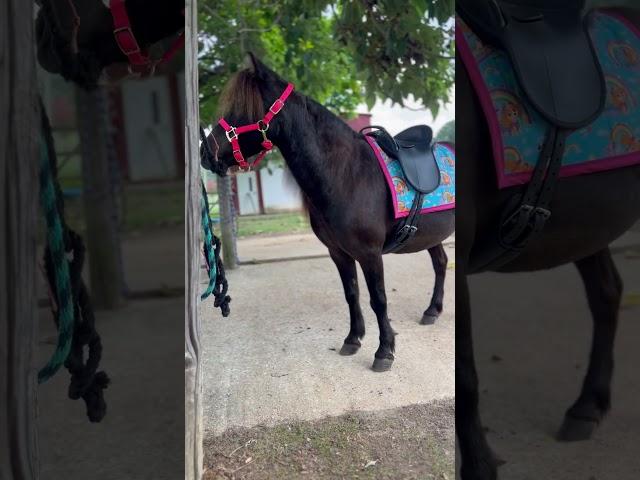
(402, 194)
(518, 131)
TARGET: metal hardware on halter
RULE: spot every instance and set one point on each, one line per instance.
(140, 62)
(232, 136)
(132, 38)
(261, 125)
(278, 102)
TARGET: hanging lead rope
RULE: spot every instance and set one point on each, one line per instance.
(218, 284)
(64, 260)
(60, 264)
(208, 245)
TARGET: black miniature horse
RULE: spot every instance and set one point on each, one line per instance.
(580, 230)
(346, 195)
(81, 52)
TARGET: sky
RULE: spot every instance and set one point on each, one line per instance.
(395, 119)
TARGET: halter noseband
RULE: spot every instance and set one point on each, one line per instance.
(139, 60)
(261, 125)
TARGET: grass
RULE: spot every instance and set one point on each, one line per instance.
(144, 207)
(413, 443)
(273, 224)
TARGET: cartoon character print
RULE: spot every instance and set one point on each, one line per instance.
(400, 185)
(449, 161)
(517, 166)
(449, 197)
(619, 98)
(630, 56)
(624, 55)
(510, 116)
(623, 139)
(445, 178)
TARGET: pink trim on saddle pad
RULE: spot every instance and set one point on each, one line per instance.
(482, 90)
(433, 202)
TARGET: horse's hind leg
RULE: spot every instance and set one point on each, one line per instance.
(439, 261)
(347, 269)
(604, 291)
(374, 275)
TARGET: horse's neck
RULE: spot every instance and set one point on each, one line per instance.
(319, 152)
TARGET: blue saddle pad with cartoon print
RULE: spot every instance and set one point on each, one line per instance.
(518, 131)
(403, 195)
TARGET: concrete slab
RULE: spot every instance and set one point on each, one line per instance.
(532, 336)
(142, 436)
(275, 358)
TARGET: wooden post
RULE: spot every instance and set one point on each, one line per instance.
(227, 237)
(192, 351)
(19, 136)
(102, 238)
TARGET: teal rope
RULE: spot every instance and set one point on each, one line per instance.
(55, 242)
(209, 247)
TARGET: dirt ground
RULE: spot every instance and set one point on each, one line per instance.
(532, 335)
(412, 443)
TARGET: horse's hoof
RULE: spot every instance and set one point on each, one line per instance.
(349, 349)
(576, 429)
(428, 319)
(382, 364)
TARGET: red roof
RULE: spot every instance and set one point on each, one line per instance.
(361, 121)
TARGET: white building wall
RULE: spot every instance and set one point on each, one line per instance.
(279, 191)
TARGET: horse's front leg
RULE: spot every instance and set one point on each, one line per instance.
(604, 292)
(374, 275)
(439, 260)
(478, 462)
(348, 274)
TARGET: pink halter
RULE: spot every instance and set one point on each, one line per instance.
(261, 125)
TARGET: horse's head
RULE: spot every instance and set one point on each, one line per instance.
(246, 110)
(75, 38)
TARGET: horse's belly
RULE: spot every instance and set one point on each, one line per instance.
(588, 214)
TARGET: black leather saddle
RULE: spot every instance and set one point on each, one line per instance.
(551, 51)
(413, 149)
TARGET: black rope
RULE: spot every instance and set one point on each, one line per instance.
(220, 290)
(86, 381)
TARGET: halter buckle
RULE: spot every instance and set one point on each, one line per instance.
(132, 39)
(231, 134)
(276, 107)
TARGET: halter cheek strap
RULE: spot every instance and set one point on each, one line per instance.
(261, 125)
(139, 60)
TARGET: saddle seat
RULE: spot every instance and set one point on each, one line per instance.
(412, 148)
(551, 52)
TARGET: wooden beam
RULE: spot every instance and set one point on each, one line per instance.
(19, 136)
(193, 456)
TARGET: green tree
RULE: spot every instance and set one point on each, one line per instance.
(447, 133)
(339, 52)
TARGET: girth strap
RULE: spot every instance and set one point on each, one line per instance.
(408, 228)
(520, 224)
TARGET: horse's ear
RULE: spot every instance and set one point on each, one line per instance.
(255, 65)
(251, 61)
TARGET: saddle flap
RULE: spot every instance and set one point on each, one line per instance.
(551, 52)
(412, 148)
(420, 168)
(556, 65)
(415, 134)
